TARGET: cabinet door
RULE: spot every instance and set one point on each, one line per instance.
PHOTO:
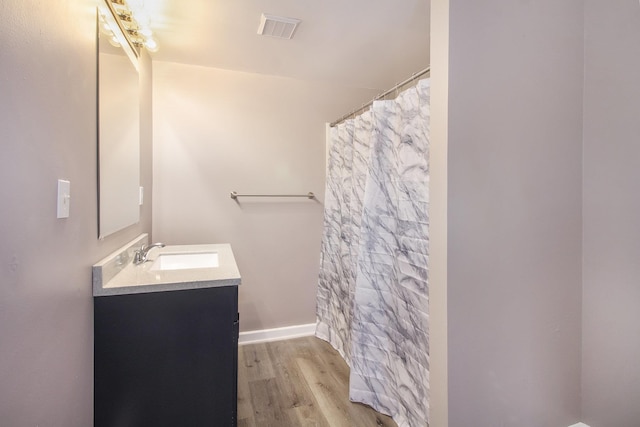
(166, 358)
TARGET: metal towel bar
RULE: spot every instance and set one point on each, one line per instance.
(234, 195)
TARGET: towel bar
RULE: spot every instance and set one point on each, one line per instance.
(234, 195)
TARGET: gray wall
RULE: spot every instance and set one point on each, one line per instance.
(611, 212)
(48, 131)
(219, 131)
(514, 212)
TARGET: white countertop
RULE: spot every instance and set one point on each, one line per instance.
(123, 277)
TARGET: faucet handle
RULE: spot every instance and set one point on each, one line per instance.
(141, 254)
(137, 254)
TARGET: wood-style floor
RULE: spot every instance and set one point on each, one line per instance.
(300, 382)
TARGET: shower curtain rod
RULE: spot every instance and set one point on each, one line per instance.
(382, 95)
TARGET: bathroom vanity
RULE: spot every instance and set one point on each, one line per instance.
(166, 337)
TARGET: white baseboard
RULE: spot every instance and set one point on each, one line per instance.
(277, 334)
(579, 425)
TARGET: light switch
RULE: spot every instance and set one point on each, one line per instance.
(141, 196)
(64, 198)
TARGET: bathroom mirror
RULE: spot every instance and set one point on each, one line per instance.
(118, 128)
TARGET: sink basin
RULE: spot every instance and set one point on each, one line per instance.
(185, 261)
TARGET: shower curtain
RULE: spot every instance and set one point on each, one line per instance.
(372, 303)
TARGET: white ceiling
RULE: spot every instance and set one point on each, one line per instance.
(360, 43)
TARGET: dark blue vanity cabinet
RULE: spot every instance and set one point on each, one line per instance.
(166, 358)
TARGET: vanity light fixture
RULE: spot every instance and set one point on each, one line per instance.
(137, 31)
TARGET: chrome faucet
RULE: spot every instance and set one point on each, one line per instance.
(141, 254)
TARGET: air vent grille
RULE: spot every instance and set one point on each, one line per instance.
(277, 26)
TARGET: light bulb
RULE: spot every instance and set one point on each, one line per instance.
(114, 42)
(106, 29)
(151, 45)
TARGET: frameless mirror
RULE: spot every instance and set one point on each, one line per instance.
(118, 128)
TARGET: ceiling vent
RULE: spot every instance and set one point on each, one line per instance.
(277, 26)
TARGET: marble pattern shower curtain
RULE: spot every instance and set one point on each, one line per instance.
(372, 303)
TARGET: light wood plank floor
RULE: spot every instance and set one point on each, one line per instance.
(300, 382)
